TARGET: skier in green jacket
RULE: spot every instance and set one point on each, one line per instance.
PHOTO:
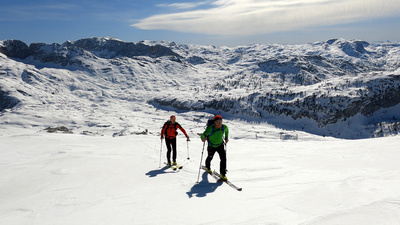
(215, 136)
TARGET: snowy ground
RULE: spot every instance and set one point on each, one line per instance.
(79, 179)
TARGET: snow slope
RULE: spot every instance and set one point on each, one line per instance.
(78, 179)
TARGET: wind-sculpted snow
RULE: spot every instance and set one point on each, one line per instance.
(320, 87)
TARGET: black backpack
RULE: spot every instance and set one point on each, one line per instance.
(210, 122)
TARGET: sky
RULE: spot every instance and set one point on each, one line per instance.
(204, 22)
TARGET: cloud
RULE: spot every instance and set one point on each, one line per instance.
(248, 17)
(30, 12)
(189, 5)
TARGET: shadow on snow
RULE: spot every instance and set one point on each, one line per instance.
(163, 170)
(203, 188)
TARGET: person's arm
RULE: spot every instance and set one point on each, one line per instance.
(183, 131)
(205, 134)
(226, 134)
(163, 130)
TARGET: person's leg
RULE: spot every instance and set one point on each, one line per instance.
(211, 152)
(168, 143)
(222, 155)
(173, 143)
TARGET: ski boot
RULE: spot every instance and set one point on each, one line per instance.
(223, 177)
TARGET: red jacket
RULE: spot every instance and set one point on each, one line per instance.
(169, 130)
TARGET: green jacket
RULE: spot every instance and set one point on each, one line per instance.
(216, 138)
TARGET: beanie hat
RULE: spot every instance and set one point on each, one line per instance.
(217, 117)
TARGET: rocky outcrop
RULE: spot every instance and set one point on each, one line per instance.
(112, 48)
(6, 101)
(61, 129)
(15, 49)
(65, 54)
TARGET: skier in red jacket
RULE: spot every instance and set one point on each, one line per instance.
(169, 131)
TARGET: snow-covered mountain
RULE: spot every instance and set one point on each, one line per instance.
(114, 101)
(341, 88)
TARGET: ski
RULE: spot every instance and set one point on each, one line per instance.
(217, 176)
(178, 166)
(170, 166)
(174, 167)
(212, 174)
(226, 181)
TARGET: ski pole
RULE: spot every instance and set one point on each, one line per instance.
(160, 154)
(187, 143)
(202, 152)
(226, 157)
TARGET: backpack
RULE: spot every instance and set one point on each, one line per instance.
(210, 122)
(169, 123)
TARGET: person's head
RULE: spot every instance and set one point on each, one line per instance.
(172, 118)
(218, 121)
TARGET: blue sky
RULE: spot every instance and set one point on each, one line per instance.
(206, 22)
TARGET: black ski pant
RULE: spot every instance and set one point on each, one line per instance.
(171, 145)
(222, 156)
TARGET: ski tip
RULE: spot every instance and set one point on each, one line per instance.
(239, 189)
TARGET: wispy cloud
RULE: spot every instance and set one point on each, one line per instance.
(85, 10)
(188, 5)
(246, 17)
(21, 12)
